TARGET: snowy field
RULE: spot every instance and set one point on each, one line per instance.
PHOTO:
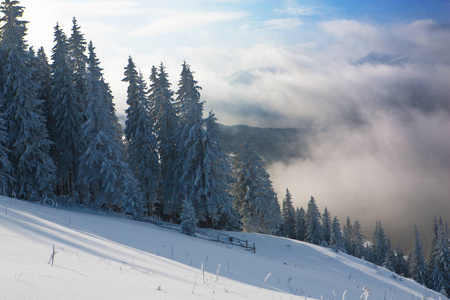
(104, 257)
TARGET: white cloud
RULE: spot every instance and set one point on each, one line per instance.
(299, 10)
(282, 23)
(345, 29)
(181, 21)
(99, 29)
(99, 8)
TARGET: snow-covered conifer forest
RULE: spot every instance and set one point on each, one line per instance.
(61, 144)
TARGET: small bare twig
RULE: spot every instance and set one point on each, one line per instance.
(52, 257)
(217, 272)
(195, 284)
(203, 272)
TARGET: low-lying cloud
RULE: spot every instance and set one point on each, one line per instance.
(380, 132)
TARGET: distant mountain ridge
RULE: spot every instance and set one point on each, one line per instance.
(375, 58)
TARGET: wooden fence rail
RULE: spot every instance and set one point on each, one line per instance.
(226, 239)
(210, 236)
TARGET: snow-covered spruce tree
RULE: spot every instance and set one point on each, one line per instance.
(357, 240)
(326, 226)
(254, 195)
(369, 252)
(379, 244)
(336, 236)
(313, 227)
(131, 201)
(189, 172)
(439, 262)
(417, 266)
(400, 266)
(159, 201)
(66, 119)
(300, 224)
(166, 123)
(104, 178)
(142, 146)
(27, 141)
(218, 179)
(187, 217)
(434, 238)
(43, 78)
(77, 49)
(288, 214)
(77, 52)
(6, 180)
(347, 234)
(389, 261)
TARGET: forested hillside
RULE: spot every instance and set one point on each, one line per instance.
(273, 144)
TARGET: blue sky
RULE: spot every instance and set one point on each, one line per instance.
(382, 11)
(370, 78)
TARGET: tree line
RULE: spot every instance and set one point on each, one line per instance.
(318, 228)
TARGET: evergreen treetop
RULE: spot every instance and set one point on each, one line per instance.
(326, 226)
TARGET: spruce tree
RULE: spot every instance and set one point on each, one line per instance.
(357, 240)
(300, 224)
(43, 78)
(347, 234)
(142, 146)
(313, 228)
(400, 266)
(131, 201)
(78, 62)
(254, 194)
(187, 217)
(369, 253)
(27, 140)
(104, 177)
(389, 261)
(218, 179)
(66, 117)
(326, 226)
(166, 123)
(188, 170)
(77, 49)
(379, 244)
(288, 214)
(6, 178)
(336, 235)
(417, 267)
(439, 262)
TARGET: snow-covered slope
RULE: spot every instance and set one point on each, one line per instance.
(103, 257)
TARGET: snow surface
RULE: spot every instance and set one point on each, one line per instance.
(104, 257)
